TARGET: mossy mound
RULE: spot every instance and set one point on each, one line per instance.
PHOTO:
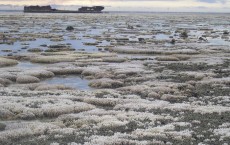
(40, 73)
(167, 58)
(7, 62)
(5, 82)
(35, 50)
(8, 76)
(106, 83)
(47, 87)
(52, 59)
(114, 59)
(26, 79)
(5, 114)
(66, 70)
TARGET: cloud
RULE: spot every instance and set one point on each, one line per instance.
(208, 1)
(213, 1)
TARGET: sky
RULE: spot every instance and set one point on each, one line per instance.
(130, 5)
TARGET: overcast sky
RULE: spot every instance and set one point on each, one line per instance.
(137, 5)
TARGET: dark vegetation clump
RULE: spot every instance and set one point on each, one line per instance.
(70, 28)
(184, 34)
(173, 41)
(226, 32)
(142, 40)
(2, 126)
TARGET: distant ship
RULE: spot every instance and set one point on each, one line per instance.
(48, 9)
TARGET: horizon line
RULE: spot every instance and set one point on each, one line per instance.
(128, 11)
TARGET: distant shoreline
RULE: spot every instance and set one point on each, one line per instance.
(141, 12)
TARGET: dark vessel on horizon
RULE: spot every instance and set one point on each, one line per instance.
(48, 9)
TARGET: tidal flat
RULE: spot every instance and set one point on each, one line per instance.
(115, 79)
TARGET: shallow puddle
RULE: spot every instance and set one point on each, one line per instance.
(70, 81)
(162, 37)
(27, 65)
(218, 41)
(79, 44)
